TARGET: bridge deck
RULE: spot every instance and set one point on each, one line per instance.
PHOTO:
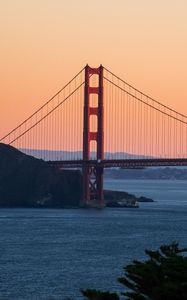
(123, 163)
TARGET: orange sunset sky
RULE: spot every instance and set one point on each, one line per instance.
(46, 42)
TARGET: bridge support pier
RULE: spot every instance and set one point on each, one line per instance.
(93, 174)
(93, 187)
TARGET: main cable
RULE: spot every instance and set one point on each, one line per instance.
(46, 103)
(135, 89)
(137, 98)
(49, 113)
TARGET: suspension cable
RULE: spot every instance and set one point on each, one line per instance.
(153, 107)
(44, 117)
(135, 89)
(46, 103)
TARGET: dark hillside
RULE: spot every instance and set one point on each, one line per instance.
(29, 182)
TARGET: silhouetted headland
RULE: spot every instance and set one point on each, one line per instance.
(26, 181)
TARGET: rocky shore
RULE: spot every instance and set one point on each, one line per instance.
(123, 199)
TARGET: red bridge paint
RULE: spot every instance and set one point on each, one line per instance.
(93, 174)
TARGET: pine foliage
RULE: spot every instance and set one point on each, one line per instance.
(163, 276)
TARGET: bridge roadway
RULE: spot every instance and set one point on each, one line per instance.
(121, 163)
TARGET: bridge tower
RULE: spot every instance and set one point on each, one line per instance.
(93, 174)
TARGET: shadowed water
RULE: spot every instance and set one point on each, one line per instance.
(51, 254)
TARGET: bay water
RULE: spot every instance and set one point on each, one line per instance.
(53, 253)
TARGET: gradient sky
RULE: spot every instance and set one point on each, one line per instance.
(45, 42)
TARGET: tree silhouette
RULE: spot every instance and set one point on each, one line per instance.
(163, 276)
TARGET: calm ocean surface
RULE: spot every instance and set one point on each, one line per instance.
(51, 254)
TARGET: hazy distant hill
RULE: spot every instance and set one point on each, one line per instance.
(65, 155)
(179, 173)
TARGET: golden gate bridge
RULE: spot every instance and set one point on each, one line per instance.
(98, 120)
